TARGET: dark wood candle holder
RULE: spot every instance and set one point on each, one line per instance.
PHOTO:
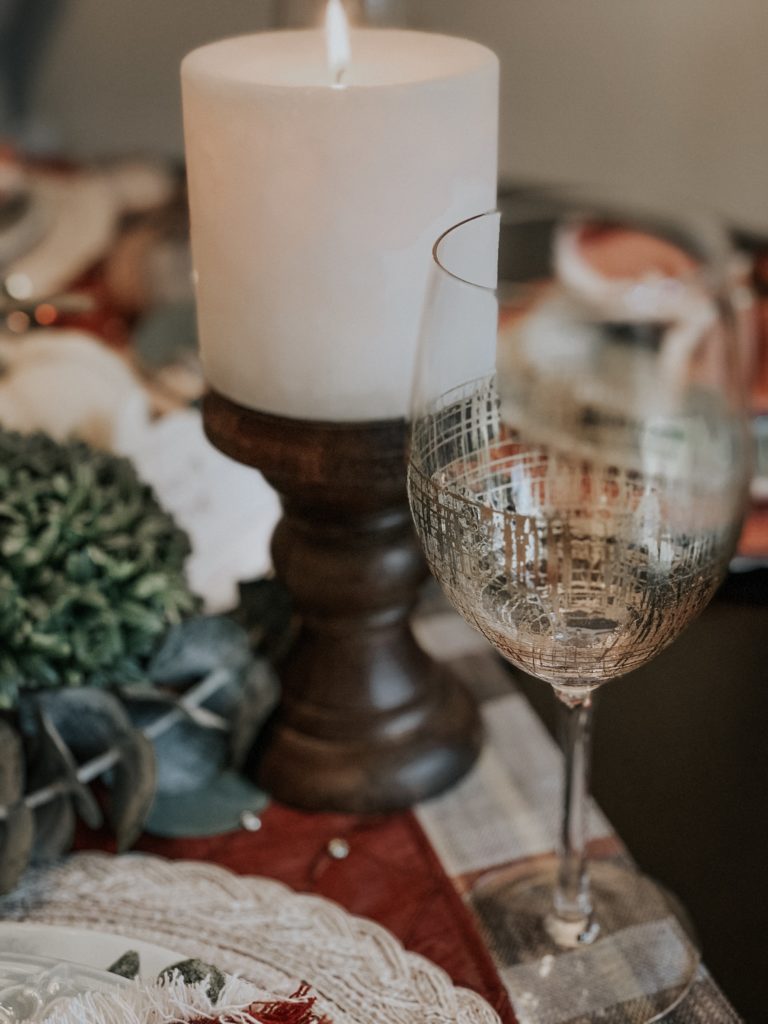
(367, 721)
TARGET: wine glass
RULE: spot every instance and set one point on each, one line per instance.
(577, 477)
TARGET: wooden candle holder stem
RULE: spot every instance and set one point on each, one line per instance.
(367, 721)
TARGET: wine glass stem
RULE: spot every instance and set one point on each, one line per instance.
(572, 904)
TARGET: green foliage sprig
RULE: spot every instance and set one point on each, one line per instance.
(91, 567)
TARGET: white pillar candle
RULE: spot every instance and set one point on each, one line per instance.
(314, 207)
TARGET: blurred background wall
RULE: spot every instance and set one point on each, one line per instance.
(664, 96)
(110, 79)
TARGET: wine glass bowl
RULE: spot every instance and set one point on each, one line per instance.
(577, 477)
(576, 570)
(579, 503)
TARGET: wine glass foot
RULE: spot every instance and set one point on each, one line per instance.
(632, 961)
(569, 934)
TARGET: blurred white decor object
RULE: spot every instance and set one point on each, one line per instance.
(81, 211)
(637, 278)
(228, 510)
(22, 219)
(141, 185)
(68, 384)
(71, 223)
(628, 274)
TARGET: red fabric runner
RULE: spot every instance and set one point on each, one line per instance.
(391, 875)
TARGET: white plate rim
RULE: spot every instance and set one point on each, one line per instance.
(99, 946)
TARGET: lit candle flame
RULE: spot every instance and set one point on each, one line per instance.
(337, 39)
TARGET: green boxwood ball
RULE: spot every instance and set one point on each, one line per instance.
(91, 567)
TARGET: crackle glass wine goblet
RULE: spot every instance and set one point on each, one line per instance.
(577, 478)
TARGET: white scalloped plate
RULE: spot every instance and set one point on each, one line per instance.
(41, 958)
(253, 927)
(96, 950)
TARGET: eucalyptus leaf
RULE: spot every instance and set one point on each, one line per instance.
(211, 810)
(90, 722)
(16, 836)
(17, 828)
(198, 646)
(260, 694)
(188, 756)
(126, 966)
(53, 765)
(54, 829)
(132, 787)
(195, 971)
(11, 765)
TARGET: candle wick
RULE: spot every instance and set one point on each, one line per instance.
(340, 76)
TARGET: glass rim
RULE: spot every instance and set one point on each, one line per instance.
(697, 231)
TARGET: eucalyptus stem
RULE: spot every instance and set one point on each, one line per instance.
(188, 706)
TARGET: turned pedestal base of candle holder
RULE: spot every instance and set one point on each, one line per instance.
(367, 722)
